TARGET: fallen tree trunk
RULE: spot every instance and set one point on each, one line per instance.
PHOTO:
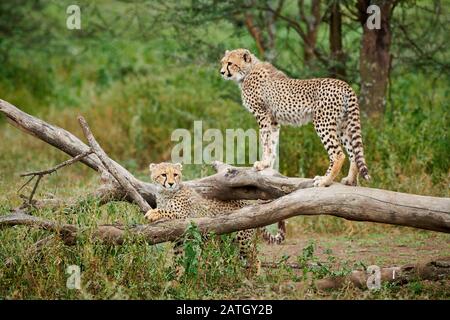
(351, 203)
(229, 183)
(68, 143)
(293, 196)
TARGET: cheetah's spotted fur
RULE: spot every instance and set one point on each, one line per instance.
(178, 201)
(274, 99)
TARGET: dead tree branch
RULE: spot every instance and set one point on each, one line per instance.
(42, 173)
(351, 203)
(293, 196)
(68, 143)
(111, 167)
(59, 166)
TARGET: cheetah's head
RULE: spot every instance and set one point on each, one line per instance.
(236, 64)
(168, 175)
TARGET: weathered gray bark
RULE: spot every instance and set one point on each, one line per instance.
(235, 186)
(68, 143)
(293, 196)
(435, 269)
(110, 166)
(351, 203)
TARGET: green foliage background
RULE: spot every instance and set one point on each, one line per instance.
(136, 73)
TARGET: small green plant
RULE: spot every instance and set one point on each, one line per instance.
(311, 264)
(306, 260)
(415, 287)
(192, 246)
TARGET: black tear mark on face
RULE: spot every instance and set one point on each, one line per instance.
(228, 70)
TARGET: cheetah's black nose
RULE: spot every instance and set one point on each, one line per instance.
(170, 183)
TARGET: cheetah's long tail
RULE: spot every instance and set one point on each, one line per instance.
(277, 238)
(354, 130)
(270, 238)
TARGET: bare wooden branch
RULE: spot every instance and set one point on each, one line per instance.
(68, 143)
(53, 135)
(20, 217)
(39, 177)
(351, 203)
(111, 167)
(294, 196)
(209, 186)
(105, 193)
(255, 32)
(59, 166)
(42, 173)
(246, 183)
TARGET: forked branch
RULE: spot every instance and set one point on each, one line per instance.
(42, 173)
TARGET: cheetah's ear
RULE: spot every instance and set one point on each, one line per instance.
(247, 56)
(152, 166)
(179, 165)
(227, 52)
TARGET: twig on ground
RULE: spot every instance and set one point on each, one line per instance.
(42, 173)
(59, 166)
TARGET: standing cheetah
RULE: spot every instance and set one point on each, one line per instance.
(276, 99)
(178, 201)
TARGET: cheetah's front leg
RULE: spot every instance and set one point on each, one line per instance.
(269, 133)
(157, 214)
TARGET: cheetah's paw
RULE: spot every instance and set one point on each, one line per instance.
(261, 165)
(348, 182)
(153, 215)
(322, 181)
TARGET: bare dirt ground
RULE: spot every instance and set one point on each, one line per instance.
(389, 246)
(390, 249)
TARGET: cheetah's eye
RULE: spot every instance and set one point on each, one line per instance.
(164, 175)
(175, 175)
(229, 63)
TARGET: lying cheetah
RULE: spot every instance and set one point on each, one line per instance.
(276, 99)
(177, 201)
